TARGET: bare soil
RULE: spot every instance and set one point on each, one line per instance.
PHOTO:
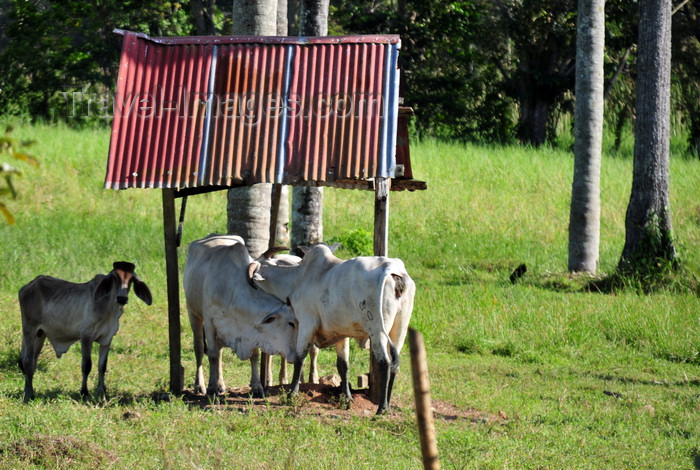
(323, 400)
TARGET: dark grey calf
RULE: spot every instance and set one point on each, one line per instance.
(65, 312)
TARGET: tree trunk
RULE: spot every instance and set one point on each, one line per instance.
(282, 18)
(313, 18)
(534, 113)
(307, 216)
(307, 202)
(203, 15)
(648, 221)
(249, 207)
(584, 217)
(255, 18)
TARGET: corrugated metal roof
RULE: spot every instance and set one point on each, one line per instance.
(231, 110)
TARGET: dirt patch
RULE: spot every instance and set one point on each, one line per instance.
(323, 400)
(313, 399)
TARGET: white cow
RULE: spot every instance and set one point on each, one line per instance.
(225, 309)
(65, 312)
(364, 297)
(274, 258)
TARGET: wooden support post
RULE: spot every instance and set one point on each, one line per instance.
(424, 408)
(266, 359)
(172, 269)
(381, 216)
(381, 248)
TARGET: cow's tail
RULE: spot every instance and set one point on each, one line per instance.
(394, 357)
(399, 287)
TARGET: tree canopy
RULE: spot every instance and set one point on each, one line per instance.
(478, 70)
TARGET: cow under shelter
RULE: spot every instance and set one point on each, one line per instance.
(207, 113)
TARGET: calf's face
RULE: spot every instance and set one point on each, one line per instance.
(121, 278)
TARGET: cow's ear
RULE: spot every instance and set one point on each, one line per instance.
(270, 318)
(104, 288)
(253, 274)
(142, 291)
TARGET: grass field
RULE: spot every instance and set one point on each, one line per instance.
(534, 375)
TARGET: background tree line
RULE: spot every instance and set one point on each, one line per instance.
(478, 70)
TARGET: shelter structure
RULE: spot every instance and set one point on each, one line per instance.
(205, 113)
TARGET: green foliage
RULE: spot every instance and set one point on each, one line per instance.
(56, 48)
(686, 70)
(355, 242)
(473, 70)
(14, 149)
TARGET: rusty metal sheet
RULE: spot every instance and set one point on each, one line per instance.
(230, 110)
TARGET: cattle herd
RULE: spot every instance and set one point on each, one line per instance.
(279, 304)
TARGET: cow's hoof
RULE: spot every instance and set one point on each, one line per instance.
(213, 392)
(382, 410)
(258, 392)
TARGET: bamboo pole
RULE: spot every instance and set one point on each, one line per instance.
(424, 408)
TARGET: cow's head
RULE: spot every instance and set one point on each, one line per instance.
(121, 278)
(279, 332)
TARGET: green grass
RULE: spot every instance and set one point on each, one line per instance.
(554, 377)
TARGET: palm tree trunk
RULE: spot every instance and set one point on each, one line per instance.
(584, 218)
(307, 202)
(249, 207)
(648, 236)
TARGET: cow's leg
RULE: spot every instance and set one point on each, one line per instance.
(268, 370)
(283, 372)
(313, 364)
(342, 352)
(31, 347)
(296, 375)
(379, 345)
(197, 326)
(397, 336)
(102, 369)
(86, 350)
(304, 343)
(256, 388)
(216, 382)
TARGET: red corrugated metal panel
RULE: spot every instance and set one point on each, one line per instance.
(203, 111)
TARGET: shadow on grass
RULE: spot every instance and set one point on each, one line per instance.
(637, 381)
(9, 361)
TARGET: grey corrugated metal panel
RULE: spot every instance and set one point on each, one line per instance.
(246, 110)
